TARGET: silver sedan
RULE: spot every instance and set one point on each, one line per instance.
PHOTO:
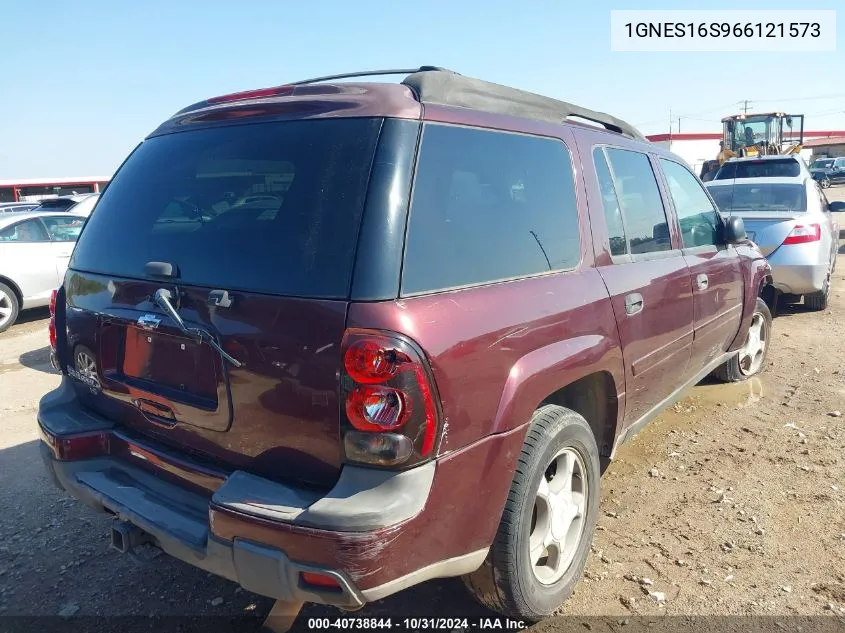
(794, 225)
(34, 252)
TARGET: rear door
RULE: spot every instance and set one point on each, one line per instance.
(648, 280)
(63, 230)
(27, 258)
(252, 231)
(715, 271)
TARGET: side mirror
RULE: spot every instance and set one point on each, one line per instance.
(837, 207)
(734, 230)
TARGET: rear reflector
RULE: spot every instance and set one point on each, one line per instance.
(323, 581)
(68, 449)
(276, 91)
(803, 234)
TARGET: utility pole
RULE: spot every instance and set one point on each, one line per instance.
(744, 103)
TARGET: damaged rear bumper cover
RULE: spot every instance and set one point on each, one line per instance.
(180, 520)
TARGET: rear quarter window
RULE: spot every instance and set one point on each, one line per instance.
(488, 206)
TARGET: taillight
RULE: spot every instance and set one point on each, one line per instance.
(389, 412)
(52, 325)
(802, 234)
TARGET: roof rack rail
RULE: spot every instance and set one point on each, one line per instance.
(369, 73)
(436, 85)
(445, 87)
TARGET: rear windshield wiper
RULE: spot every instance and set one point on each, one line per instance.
(162, 299)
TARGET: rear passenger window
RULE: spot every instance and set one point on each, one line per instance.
(639, 196)
(612, 210)
(696, 214)
(488, 206)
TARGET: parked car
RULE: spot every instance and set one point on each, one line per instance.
(34, 253)
(791, 221)
(828, 171)
(81, 203)
(776, 166)
(371, 384)
(16, 207)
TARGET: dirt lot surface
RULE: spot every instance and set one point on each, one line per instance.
(730, 503)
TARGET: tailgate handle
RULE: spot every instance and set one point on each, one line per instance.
(156, 412)
(702, 282)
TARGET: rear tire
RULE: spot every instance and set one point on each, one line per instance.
(818, 301)
(554, 495)
(750, 360)
(9, 307)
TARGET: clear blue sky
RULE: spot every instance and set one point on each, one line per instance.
(85, 81)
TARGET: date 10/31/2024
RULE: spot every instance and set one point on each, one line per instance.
(415, 624)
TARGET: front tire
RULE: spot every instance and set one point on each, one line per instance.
(750, 360)
(548, 522)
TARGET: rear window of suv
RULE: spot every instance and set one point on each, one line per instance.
(489, 206)
(767, 168)
(269, 207)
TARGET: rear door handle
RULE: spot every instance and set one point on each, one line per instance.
(633, 303)
(702, 282)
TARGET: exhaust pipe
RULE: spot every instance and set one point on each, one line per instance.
(125, 537)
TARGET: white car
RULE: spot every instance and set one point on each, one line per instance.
(35, 248)
(794, 225)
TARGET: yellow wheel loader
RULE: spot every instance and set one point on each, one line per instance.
(761, 135)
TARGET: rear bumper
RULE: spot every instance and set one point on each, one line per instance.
(799, 269)
(374, 533)
(798, 280)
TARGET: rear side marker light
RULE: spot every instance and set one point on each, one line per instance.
(322, 581)
(52, 326)
(802, 234)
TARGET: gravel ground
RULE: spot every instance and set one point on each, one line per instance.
(730, 503)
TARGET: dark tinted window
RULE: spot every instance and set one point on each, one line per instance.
(696, 214)
(636, 186)
(759, 197)
(612, 210)
(764, 168)
(270, 207)
(489, 206)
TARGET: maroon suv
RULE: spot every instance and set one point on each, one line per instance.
(330, 340)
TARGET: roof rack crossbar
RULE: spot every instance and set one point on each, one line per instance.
(367, 73)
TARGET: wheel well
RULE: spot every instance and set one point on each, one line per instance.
(768, 293)
(594, 398)
(14, 287)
